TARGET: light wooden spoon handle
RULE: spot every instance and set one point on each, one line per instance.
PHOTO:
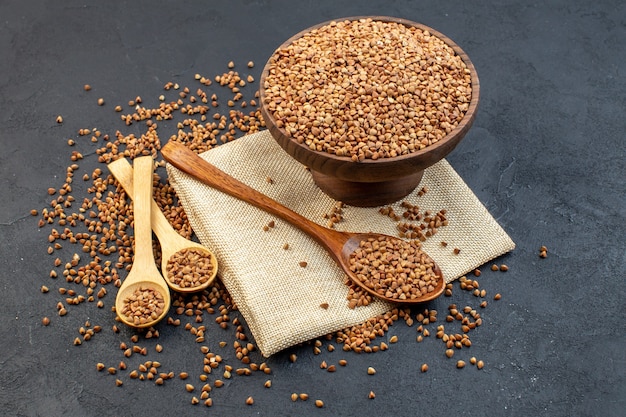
(123, 172)
(142, 196)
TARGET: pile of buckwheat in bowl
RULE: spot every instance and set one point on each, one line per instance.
(370, 99)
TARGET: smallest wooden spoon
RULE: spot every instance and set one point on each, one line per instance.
(171, 242)
(144, 297)
(339, 245)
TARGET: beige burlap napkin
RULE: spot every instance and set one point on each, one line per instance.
(281, 300)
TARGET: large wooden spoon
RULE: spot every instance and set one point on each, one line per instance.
(169, 239)
(144, 287)
(340, 245)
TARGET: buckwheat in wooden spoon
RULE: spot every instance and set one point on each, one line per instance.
(187, 266)
(387, 267)
(144, 297)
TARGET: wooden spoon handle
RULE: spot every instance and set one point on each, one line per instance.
(142, 196)
(189, 162)
(122, 170)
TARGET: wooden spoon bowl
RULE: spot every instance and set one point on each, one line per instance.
(171, 242)
(144, 275)
(340, 245)
(370, 182)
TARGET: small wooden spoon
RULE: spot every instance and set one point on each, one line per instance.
(171, 242)
(340, 245)
(144, 273)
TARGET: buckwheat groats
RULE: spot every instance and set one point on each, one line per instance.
(367, 89)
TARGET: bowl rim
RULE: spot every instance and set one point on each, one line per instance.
(461, 128)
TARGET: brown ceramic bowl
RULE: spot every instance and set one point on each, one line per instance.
(370, 182)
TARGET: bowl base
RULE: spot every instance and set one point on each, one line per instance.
(367, 194)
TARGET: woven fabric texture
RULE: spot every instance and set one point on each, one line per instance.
(281, 300)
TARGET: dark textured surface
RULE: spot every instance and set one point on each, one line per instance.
(546, 155)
